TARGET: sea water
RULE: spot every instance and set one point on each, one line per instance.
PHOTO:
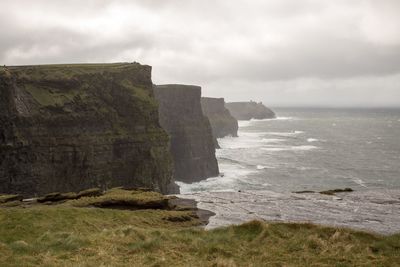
(313, 150)
(310, 149)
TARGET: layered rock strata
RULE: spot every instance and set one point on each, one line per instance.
(70, 127)
(192, 144)
(221, 120)
(249, 110)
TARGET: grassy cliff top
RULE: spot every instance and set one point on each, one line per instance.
(67, 235)
(81, 66)
(65, 71)
(66, 84)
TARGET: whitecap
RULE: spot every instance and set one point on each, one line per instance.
(310, 140)
(275, 119)
(284, 118)
(285, 133)
(231, 175)
(289, 148)
(244, 123)
(359, 182)
(262, 167)
(303, 147)
(272, 140)
(240, 142)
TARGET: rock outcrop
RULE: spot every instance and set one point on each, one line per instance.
(65, 128)
(249, 110)
(192, 144)
(221, 120)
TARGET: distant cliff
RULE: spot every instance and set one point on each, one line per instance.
(191, 136)
(221, 120)
(249, 110)
(70, 127)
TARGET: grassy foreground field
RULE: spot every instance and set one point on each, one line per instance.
(68, 235)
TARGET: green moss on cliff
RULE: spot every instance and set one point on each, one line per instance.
(140, 93)
(50, 97)
(68, 71)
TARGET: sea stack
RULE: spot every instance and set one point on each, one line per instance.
(192, 145)
(222, 122)
(249, 110)
(72, 127)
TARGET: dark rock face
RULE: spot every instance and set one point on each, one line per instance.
(192, 144)
(249, 110)
(67, 128)
(221, 120)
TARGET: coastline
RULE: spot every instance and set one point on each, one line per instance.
(374, 211)
(144, 228)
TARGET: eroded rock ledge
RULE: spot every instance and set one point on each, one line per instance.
(70, 127)
(192, 144)
(249, 110)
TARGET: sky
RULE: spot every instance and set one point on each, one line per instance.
(324, 53)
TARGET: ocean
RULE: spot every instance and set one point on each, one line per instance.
(308, 149)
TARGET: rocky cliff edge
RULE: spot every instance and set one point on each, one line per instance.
(70, 127)
(192, 144)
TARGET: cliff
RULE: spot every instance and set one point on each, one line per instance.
(249, 110)
(221, 120)
(192, 144)
(70, 127)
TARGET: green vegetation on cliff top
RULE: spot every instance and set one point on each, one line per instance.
(66, 235)
(63, 71)
(55, 85)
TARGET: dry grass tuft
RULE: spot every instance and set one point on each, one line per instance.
(68, 235)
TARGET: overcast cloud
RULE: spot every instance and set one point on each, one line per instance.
(282, 52)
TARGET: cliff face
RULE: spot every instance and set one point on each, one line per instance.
(70, 127)
(221, 120)
(249, 110)
(191, 137)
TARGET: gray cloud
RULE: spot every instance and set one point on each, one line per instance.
(320, 52)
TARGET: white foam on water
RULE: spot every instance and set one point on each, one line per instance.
(285, 133)
(244, 123)
(310, 140)
(359, 182)
(231, 174)
(262, 167)
(245, 140)
(285, 118)
(272, 140)
(289, 148)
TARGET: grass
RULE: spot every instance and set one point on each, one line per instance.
(125, 199)
(66, 71)
(66, 235)
(50, 97)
